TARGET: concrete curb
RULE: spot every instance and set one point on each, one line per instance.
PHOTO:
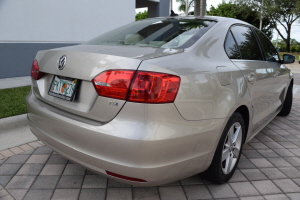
(15, 82)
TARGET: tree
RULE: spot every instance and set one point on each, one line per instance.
(280, 12)
(294, 45)
(279, 42)
(141, 15)
(224, 10)
(242, 12)
(182, 4)
(294, 42)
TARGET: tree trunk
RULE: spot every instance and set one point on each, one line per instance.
(288, 38)
(288, 46)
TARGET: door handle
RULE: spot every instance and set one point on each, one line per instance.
(251, 78)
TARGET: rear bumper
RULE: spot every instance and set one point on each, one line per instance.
(144, 141)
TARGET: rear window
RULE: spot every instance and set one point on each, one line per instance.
(247, 43)
(231, 48)
(159, 33)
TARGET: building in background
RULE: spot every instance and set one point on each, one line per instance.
(156, 8)
(28, 26)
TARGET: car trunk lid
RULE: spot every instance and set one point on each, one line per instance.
(83, 63)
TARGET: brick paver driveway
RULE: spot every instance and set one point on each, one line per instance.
(269, 169)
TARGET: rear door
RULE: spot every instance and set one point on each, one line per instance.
(280, 72)
(249, 59)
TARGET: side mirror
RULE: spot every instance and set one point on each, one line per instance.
(287, 59)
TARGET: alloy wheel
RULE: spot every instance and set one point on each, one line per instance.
(231, 148)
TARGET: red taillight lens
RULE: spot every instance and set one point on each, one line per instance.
(113, 84)
(146, 87)
(35, 71)
(151, 87)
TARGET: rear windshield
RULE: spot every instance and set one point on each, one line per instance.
(159, 33)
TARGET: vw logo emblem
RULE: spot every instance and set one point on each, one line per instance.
(62, 62)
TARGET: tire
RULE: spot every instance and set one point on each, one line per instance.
(287, 105)
(221, 169)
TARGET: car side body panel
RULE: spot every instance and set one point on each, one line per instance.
(261, 89)
(282, 78)
(201, 94)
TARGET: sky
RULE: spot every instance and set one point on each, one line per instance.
(295, 28)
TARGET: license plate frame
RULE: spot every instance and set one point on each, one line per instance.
(69, 85)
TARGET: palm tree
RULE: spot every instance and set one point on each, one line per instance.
(182, 4)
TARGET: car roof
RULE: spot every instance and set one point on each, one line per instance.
(207, 17)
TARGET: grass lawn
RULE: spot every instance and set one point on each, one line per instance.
(294, 54)
(12, 101)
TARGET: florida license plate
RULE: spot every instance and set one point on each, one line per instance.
(63, 87)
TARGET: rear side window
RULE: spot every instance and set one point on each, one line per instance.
(231, 48)
(268, 48)
(247, 43)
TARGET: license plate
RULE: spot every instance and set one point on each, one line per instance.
(63, 87)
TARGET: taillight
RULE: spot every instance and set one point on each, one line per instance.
(35, 71)
(151, 87)
(113, 84)
(140, 86)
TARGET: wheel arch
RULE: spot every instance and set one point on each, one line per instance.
(244, 111)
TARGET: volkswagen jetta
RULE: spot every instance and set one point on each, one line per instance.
(161, 99)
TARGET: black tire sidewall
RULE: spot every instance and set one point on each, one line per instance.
(288, 101)
(236, 117)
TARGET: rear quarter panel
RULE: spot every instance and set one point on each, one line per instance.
(201, 94)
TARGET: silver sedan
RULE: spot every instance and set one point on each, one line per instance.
(161, 99)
